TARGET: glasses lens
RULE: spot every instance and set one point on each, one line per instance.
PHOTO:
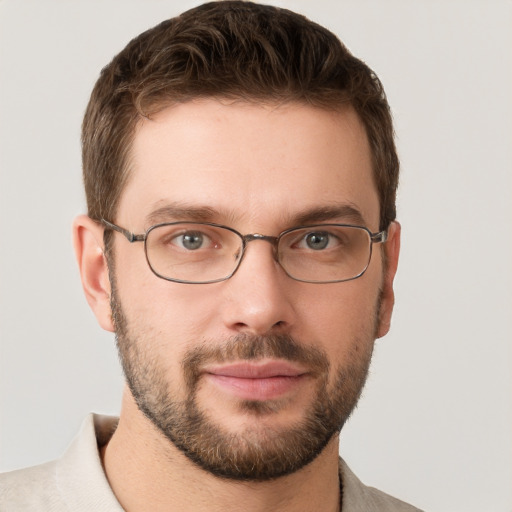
(193, 253)
(325, 253)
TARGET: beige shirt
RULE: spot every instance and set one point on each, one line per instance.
(76, 482)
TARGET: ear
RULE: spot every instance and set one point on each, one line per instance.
(392, 251)
(88, 244)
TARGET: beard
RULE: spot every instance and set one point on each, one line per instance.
(255, 452)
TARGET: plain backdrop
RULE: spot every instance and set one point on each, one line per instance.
(435, 424)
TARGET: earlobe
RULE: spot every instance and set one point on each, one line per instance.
(392, 248)
(92, 263)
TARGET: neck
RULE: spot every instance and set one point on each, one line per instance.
(146, 471)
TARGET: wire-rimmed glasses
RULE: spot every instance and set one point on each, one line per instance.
(204, 252)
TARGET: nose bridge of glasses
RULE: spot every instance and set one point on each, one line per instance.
(272, 240)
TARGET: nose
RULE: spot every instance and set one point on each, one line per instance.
(258, 297)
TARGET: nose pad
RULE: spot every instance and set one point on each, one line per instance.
(258, 299)
(272, 240)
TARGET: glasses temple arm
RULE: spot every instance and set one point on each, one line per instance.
(379, 237)
(131, 237)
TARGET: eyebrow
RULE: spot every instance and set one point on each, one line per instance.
(177, 211)
(339, 212)
(181, 211)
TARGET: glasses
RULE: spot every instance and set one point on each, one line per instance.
(203, 252)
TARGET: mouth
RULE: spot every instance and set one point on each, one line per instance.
(257, 380)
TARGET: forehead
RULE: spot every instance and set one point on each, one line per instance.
(242, 163)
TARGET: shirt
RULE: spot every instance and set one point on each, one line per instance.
(77, 482)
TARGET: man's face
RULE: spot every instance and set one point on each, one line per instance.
(250, 377)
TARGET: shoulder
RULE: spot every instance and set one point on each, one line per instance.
(74, 482)
(358, 497)
(34, 488)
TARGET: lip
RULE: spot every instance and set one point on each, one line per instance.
(257, 381)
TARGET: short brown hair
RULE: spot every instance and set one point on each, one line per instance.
(234, 50)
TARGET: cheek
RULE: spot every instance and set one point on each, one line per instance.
(169, 316)
(340, 316)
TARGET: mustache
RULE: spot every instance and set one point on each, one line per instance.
(248, 347)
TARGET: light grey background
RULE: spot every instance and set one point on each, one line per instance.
(435, 424)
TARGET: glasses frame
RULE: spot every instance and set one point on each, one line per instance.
(375, 238)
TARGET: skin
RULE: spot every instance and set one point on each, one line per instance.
(259, 167)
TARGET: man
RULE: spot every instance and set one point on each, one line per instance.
(241, 242)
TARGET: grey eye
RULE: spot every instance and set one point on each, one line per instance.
(192, 240)
(317, 241)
